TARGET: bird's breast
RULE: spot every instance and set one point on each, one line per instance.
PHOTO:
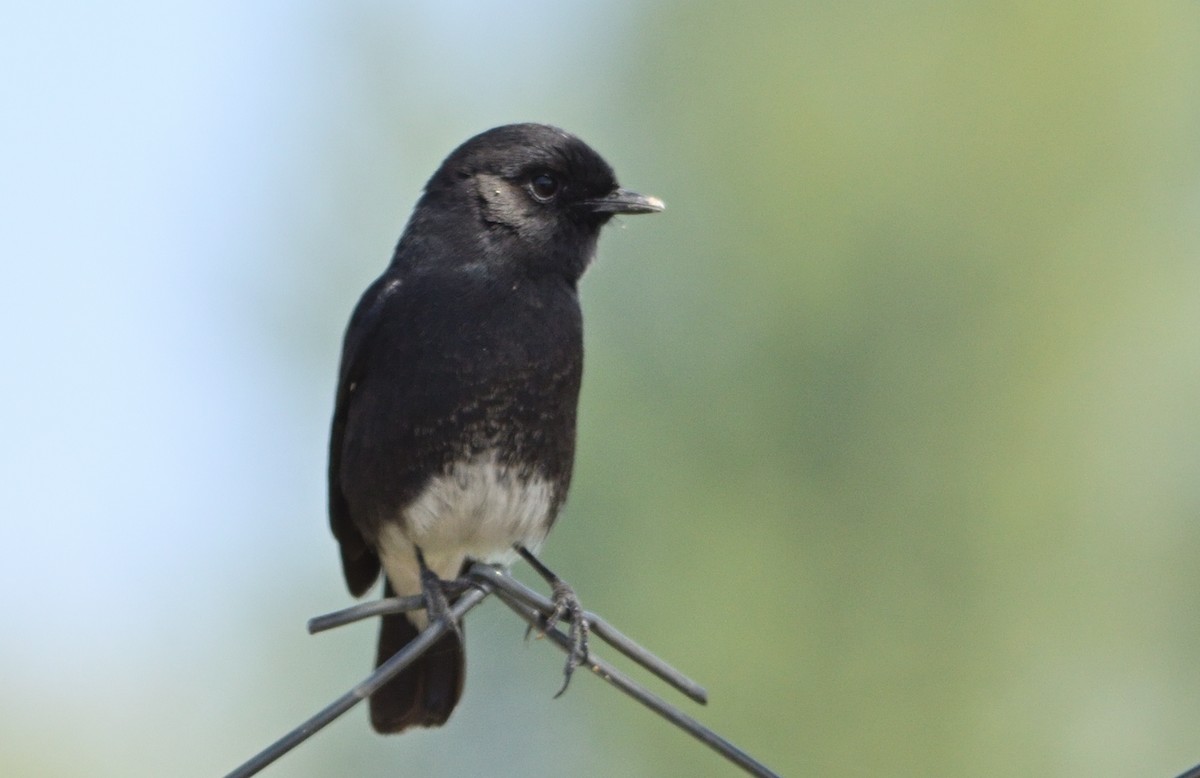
(480, 508)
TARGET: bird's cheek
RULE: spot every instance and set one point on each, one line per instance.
(499, 202)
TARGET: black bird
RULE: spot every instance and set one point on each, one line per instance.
(454, 431)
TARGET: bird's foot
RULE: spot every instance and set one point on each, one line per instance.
(566, 605)
(434, 589)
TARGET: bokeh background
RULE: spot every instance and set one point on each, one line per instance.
(890, 427)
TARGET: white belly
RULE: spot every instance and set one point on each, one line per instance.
(480, 510)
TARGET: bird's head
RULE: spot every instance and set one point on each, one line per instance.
(526, 197)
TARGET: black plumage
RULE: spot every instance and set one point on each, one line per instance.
(454, 429)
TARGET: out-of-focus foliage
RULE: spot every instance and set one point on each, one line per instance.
(910, 381)
(889, 433)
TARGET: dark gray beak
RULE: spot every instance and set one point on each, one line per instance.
(624, 201)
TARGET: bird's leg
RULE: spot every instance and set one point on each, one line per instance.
(437, 606)
(565, 604)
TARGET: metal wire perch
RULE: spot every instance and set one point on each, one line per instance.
(1193, 773)
(480, 582)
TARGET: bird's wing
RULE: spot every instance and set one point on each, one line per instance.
(359, 561)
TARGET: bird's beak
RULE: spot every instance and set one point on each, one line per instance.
(624, 201)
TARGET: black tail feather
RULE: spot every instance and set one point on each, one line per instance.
(426, 692)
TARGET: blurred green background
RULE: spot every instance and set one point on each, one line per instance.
(889, 429)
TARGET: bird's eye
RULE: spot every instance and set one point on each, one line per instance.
(543, 186)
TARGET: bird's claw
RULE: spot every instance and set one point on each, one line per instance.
(566, 604)
(437, 605)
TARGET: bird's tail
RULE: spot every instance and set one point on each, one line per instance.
(425, 693)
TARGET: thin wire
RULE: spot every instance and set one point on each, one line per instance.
(618, 679)
(388, 605)
(364, 610)
(382, 674)
(609, 634)
(481, 581)
(1193, 773)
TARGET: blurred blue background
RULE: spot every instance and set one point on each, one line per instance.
(889, 434)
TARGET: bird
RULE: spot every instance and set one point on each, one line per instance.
(454, 427)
